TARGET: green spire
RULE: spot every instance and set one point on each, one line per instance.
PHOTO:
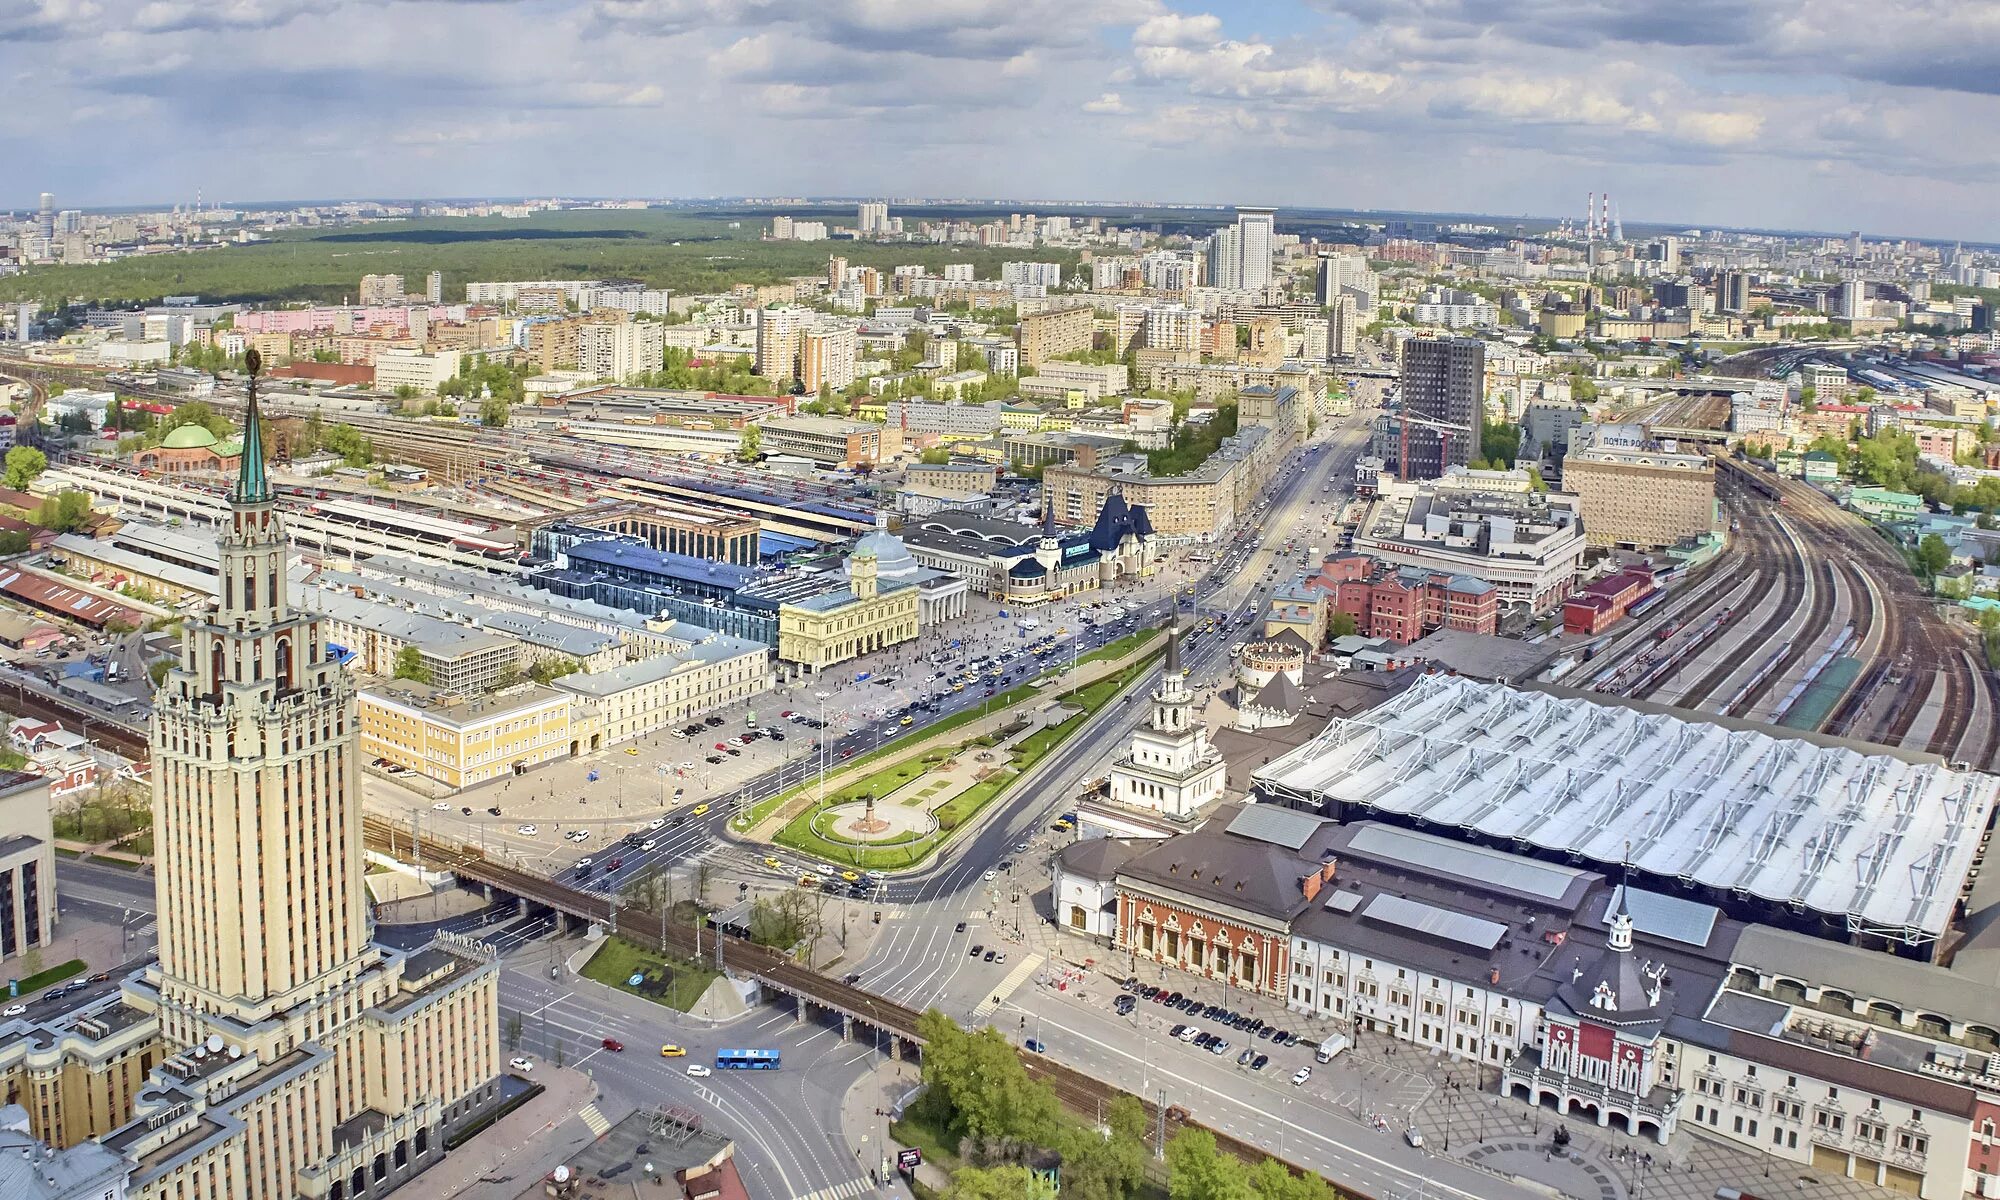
(252, 485)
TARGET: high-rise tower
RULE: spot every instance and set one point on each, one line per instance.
(257, 790)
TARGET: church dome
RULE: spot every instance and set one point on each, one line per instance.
(187, 437)
(893, 559)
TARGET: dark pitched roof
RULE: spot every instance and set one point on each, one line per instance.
(1242, 872)
(1281, 695)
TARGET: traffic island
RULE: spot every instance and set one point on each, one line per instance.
(918, 797)
(908, 772)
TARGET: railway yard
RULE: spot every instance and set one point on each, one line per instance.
(1811, 621)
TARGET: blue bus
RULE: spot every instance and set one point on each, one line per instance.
(746, 1060)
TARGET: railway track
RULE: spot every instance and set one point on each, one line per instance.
(1774, 557)
(1918, 646)
(1818, 619)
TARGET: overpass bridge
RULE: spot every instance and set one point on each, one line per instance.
(816, 994)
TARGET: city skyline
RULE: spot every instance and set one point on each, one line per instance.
(1729, 119)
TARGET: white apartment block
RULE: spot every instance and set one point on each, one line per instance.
(413, 368)
(1458, 316)
(621, 352)
(1031, 274)
(654, 302)
(1173, 327)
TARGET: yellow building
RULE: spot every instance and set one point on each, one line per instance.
(826, 630)
(459, 741)
(1021, 417)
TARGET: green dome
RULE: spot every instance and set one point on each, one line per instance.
(188, 437)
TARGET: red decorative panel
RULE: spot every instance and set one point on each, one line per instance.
(1594, 1041)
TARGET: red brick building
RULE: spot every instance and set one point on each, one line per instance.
(1605, 603)
(1223, 908)
(1402, 603)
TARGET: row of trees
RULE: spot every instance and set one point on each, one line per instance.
(978, 1094)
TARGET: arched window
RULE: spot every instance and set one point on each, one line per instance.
(285, 679)
(215, 669)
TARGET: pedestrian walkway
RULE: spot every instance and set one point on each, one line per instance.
(839, 1191)
(1015, 978)
(864, 1119)
(595, 1120)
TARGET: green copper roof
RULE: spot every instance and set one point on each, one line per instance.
(252, 486)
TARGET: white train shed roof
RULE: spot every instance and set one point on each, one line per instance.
(1874, 839)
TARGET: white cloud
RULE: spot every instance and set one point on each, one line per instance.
(1709, 109)
(1173, 29)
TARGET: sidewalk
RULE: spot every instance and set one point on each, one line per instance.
(864, 1119)
(508, 1157)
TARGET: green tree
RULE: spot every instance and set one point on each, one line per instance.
(977, 1087)
(1342, 625)
(513, 1031)
(65, 512)
(346, 441)
(157, 671)
(1272, 1180)
(1932, 554)
(936, 456)
(1197, 1170)
(1501, 442)
(494, 412)
(547, 670)
(24, 463)
(410, 665)
(750, 443)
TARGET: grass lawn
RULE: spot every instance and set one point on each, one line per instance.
(617, 960)
(798, 832)
(800, 835)
(52, 975)
(939, 1148)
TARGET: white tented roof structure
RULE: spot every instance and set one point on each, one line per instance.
(1873, 840)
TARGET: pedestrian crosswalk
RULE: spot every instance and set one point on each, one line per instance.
(1015, 978)
(591, 1117)
(838, 1191)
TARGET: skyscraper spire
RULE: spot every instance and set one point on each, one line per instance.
(1174, 648)
(252, 485)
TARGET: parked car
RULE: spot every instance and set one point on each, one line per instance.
(1301, 1075)
(520, 1064)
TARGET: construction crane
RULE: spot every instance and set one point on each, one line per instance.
(1441, 428)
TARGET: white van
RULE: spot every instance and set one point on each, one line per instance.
(1330, 1047)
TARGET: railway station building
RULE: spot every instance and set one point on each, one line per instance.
(1641, 1009)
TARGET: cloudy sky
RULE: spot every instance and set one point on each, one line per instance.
(1876, 114)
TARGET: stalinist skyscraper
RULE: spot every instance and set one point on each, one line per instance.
(274, 1050)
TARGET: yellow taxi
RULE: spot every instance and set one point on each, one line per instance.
(906, 721)
(1060, 827)
(808, 881)
(672, 1051)
(632, 750)
(958, 687)
(701, 810)
(770, 862)
(850, 877)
